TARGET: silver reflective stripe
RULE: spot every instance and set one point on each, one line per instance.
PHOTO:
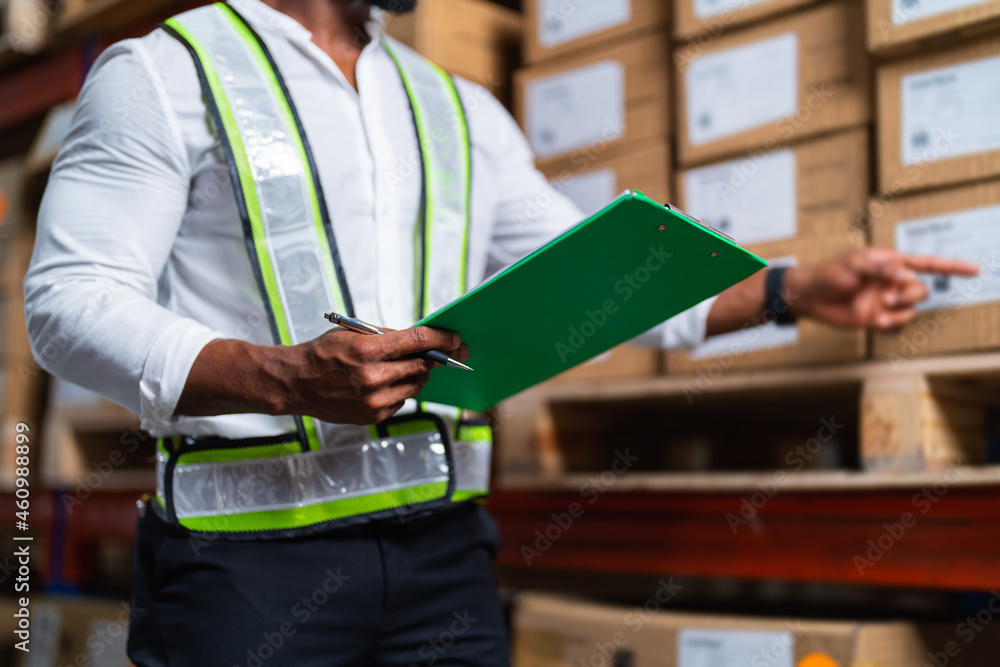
(304, 277)
(310, 478)
(444, 141)
(472, 465)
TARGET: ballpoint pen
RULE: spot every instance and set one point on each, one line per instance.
(437, 356)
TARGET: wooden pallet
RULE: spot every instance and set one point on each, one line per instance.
(896, 424)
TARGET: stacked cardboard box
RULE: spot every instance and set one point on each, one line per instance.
(551, 631)
(783, 81)
(937, 117)
(938, 167)
(475, 39)
(701, 20)
(899, 26)
(596, 106)
(558, 27)
(774, 151)
(962, 313)
(68, 631)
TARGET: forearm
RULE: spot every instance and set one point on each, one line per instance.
(745, 304)
(236, 377)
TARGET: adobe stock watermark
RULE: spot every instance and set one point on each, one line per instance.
(625, 289)
(798, 458)
(589, 492)
(892, 533)
(436, 648)
(302, 611)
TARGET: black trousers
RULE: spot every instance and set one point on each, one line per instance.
(419, 592)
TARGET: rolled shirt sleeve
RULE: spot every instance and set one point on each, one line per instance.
(531, 212)
(115, 202)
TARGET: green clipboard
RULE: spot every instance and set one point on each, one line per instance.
(610, 278)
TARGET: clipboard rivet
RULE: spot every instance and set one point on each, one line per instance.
(662, 227)
(715, 253)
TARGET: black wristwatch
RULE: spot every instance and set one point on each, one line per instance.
(775, 304)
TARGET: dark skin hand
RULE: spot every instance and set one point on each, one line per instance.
(875, 288)
(341, 377)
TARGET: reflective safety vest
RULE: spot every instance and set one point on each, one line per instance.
(296, 483)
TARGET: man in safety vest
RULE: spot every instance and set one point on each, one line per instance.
(230, 177)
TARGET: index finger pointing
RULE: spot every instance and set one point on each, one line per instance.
(931, 264)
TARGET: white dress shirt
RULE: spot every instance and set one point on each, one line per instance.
(140, 259)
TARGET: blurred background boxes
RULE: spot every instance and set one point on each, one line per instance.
(771, 84)
(68, 631)
(554, 28)
(807, 190)
(937, 117)
(483, 47)
(962, 223)
(896, 26)
(593, 179)
(702, 19)
(624, 361)
(552, 631)
(608, 98)
(23, 24)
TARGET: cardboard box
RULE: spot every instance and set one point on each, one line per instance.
(787, 80)
(937, 118)
(14, 343)
(555, 28)
(962, 314)
(11, 200)
(593, 180)
(68, 631)
(811, 189)
(20, 27)
(474, 39)
(624, 361)
(550, 631)
(770, 345)
(898, 26)
(702, 19)
(613, 99)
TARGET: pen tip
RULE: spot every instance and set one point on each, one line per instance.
(459, 364)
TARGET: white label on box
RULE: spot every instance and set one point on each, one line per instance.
(951, 111)
(561, 21)
(730, 648)
(904, 11)
(590, 191)
(742, 88)
(972, 235)
(752, 199)
(577, 108)
(704, 9)
(763, 337)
